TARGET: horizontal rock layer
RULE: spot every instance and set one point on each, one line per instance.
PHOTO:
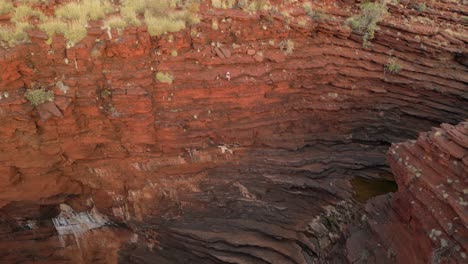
(246, 157)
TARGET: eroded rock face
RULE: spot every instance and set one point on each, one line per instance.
(428, 213)
(253, 166)
(433, 174)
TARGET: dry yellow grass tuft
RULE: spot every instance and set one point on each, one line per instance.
(75, 32)
(115, 22)
(223, 4)
(72, 11)
(97, 9)
(52, 27)
(158, 26)
(10, 36)
(5, 7)
(23, 13)
(84, 10)
(255, 5)
(160, 18)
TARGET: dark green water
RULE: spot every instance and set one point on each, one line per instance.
(364, 189)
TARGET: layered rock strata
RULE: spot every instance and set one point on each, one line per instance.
(246, 156)
(428, 213)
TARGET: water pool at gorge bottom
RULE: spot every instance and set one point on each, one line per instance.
(364, 189)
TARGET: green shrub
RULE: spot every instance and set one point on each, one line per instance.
(421, 7)
(164, 77)
(393, 66)
(366, 22)
(39, 96)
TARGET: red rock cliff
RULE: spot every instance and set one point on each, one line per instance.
(428, 213)
(246, 157)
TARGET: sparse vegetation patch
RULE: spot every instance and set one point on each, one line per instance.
(10, 36)
(39, 96)
(255, 5)
(366, 22)
(23, 13)
(164, 77)
(115, 22)
(84, 10)
(421, 7)
(314, 14)
(393, 66)
(71, 18)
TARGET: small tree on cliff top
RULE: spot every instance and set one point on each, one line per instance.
(366, 21)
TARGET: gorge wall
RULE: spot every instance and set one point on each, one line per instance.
(248, 156)
(428, 213)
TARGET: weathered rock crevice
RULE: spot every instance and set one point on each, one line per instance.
(248, 156)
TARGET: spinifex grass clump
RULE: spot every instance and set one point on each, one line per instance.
(11, 36)
(15, 33)
(84, 10)
(5, 7)
(161, 17)
(76, 15)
